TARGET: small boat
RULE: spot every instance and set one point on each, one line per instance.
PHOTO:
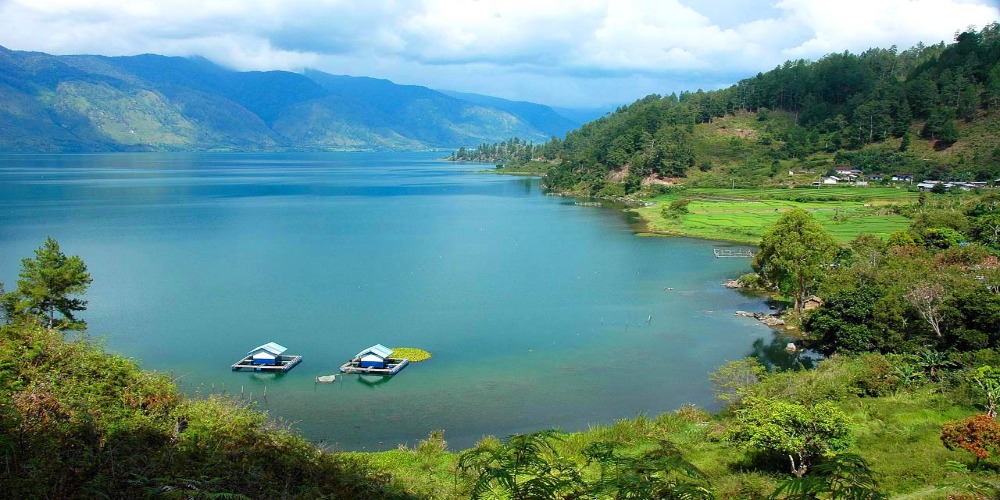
(326, 378)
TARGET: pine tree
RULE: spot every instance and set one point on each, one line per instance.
(47, 287)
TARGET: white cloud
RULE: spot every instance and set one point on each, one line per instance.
(861, 24)
(551, 51)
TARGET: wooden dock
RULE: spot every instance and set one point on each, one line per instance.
(733, 252)
(394, 366)
(286, 363)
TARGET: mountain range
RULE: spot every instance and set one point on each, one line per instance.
(150, 102)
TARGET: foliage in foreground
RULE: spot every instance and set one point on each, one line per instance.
(75, 422)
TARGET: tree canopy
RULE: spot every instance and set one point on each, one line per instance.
(797, 431)
(48, 288)
(794, 254)
(843, 104)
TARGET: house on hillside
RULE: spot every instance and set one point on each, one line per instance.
(812, 302)
(927, 185)
(876, 177)
(268, 354)
(902, 177)
(831, 180)
(847, 173)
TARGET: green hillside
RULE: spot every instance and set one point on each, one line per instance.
(156, 103)
(930, 110)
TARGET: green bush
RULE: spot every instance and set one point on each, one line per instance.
(680, 206)
(876, 375)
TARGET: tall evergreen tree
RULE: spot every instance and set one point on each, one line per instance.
(48, 287)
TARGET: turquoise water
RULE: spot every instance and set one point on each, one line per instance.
(539, 313)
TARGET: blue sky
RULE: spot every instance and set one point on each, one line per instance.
(575, 53)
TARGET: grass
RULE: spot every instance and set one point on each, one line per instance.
(411, 353)
(743, 215)
(901, 438)
(898, 434)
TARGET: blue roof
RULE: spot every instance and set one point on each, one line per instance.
(271, 347)
(378, 350)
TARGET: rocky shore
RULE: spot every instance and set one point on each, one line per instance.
(768, 319)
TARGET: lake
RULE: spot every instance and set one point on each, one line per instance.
(539, 313)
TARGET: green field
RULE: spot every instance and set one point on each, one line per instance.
(743, 215)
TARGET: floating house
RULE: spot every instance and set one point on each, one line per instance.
(267, 354)
(375, 360)
(268, 357)
(373, 357)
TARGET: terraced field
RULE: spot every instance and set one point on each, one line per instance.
(744, 215)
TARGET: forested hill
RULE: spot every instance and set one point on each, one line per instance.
(155, 103)
(929, 110)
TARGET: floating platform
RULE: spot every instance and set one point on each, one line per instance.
(283, 365)
(732, 252)
(393, 366)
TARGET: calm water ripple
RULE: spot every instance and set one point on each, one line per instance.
(539, 313)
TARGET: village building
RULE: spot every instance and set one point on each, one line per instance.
(812, 302)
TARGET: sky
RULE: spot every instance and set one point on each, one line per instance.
(568, 53)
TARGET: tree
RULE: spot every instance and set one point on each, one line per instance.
(47, 287)
(794, 254)
(797, 431)
(867, 249)
(987, 229)
(941, 126)
(927, 299)
(847, 321)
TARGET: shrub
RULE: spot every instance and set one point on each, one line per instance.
(680, 206)
(733, 379)
(795, 431)
(876, 375)
(978, 434)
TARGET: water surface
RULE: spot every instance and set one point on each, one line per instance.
(539, 313)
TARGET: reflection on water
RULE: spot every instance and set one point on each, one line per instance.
(373, 380)
(774, 355)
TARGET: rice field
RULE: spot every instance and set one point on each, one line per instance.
(743, 215)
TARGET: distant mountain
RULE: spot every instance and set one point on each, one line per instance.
(156, 103)
(584, 115)
(543, 118)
